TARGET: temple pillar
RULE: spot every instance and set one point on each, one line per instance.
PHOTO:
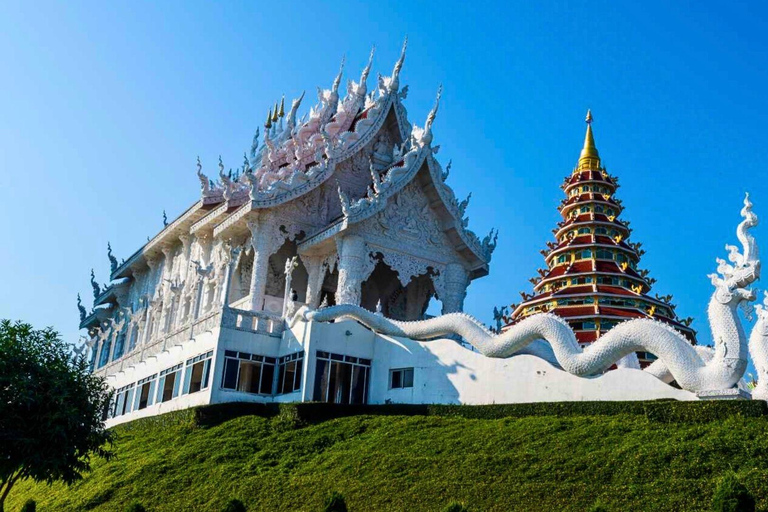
(353, 254)
(316, 273)
(456, 280)
(263, 243)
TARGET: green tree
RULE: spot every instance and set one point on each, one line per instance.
(50, 409)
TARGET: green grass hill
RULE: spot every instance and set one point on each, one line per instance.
(660, 456)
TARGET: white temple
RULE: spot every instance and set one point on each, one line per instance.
(306, 275)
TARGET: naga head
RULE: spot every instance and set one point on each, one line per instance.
(732, 280)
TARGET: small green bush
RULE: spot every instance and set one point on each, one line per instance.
(732, 496)
(234, 506)
(29, 506)
(135, 507)
(455, 507)
(598, 507)
(335, 503)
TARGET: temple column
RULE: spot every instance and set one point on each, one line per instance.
(456, 280)
(353, 253)
(263, 243)
(316, 275)
(165, 287)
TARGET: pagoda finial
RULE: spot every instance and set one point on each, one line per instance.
(268, 124)
(274, 115)
(282, 107)
(589, 157)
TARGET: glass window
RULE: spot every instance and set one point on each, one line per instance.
(341, 382)
(401, 378)
(197, 373)
(290, 372)
(249, 373)
(169, 383)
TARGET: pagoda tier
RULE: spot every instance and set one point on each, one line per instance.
(592, 278)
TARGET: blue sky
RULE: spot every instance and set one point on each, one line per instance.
(104, 110)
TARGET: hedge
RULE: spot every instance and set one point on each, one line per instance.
(664, 411)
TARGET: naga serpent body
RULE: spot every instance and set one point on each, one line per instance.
(693, 369)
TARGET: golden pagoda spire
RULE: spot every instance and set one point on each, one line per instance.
(589, 158)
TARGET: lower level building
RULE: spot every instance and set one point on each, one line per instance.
(243, 356)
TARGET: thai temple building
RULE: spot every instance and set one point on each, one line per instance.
(592, 277)
(348, 205)
(306, 275)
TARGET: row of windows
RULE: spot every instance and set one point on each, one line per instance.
(575, 281)
(252, 373)
(585, 230)
(600, 254)
(603, 301)
(599, 189)
(597, 208)
(149, 390)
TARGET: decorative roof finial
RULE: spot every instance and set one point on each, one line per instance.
(204, 187)
(268, 123)
(394, 84)
(274, 114)
(165, 219)
(81, 309)
(112, 259)
(221, 166)
(426, 138)
(294, 109)
(282, 107)
(367, 68)
(255, 143)
(589, 158)
(337, 80)
(95, 286)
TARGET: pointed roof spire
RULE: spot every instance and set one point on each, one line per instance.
(394, 85)
(337, 80)
(268, 124)
(282, 107)
(589, 157)
(274, 115)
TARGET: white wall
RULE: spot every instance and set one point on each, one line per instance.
(445, 372)
(155, 364)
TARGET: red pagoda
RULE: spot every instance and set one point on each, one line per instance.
(592, 278)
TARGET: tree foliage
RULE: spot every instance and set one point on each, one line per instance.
(50, 409)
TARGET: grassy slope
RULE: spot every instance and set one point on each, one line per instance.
(418, 463)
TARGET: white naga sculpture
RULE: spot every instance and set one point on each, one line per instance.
(694, 368)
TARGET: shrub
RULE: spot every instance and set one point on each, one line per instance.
(29, 506)
(135, 507)
(456, 507)
(234, 506)
(335, 503)
(732, 496)
(598, 507)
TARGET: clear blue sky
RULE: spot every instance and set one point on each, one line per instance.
(104, 110)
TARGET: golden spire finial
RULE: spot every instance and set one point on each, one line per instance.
(589, 158)
(268, 124)
(274, 115)
(282, 107)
